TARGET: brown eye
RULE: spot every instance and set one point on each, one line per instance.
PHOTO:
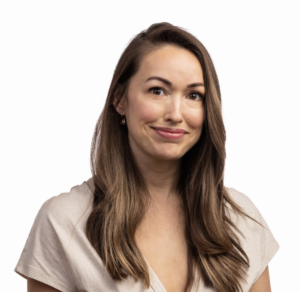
(195, 96)
(156, 90)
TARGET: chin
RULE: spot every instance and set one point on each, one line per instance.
(168, 155)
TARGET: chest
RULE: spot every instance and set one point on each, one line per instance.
(161, 239)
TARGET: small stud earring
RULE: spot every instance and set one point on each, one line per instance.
(123, 121)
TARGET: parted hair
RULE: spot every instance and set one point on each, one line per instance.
(118, 203)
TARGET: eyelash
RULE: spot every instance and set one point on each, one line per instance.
(200, 94)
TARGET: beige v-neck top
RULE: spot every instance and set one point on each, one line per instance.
(58, 253)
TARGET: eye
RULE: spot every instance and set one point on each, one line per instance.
(196, 96)
(156, 90)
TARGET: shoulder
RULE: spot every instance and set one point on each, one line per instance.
(256, 235)
(68, 207)
(57, 231)
(243, 201)
(244, 223)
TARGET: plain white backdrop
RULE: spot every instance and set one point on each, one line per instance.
(57, 59)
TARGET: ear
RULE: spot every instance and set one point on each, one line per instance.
(120, 108)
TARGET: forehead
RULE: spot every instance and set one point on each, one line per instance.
(173, 63)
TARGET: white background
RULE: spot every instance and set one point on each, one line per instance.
(56, 63)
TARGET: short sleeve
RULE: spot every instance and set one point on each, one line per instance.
(258, 242)
(267, 244)
(44, 255)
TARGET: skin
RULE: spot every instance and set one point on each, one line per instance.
(36, 286)
(160, 235)
(263, 283)
(173, 106)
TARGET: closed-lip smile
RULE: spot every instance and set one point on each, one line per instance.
(170, 133)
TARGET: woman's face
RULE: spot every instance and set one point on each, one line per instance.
(164, 96)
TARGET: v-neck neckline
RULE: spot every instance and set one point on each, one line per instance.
(157, 285)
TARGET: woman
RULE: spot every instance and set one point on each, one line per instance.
(155, 215)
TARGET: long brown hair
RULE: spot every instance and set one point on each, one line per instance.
(118, 206)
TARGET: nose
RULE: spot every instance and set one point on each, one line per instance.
(173, 110)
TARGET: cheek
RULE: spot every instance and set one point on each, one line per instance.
(195, 119)
(143, 111)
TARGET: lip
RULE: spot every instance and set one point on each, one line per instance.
(170, 133)
(170, 130)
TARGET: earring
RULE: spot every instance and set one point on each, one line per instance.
(123, 121)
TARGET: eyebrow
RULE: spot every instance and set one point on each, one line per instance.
(170, 83)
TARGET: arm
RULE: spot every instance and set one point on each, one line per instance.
(263, 283)
(36, 286)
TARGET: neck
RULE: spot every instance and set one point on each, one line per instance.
(161, 176)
